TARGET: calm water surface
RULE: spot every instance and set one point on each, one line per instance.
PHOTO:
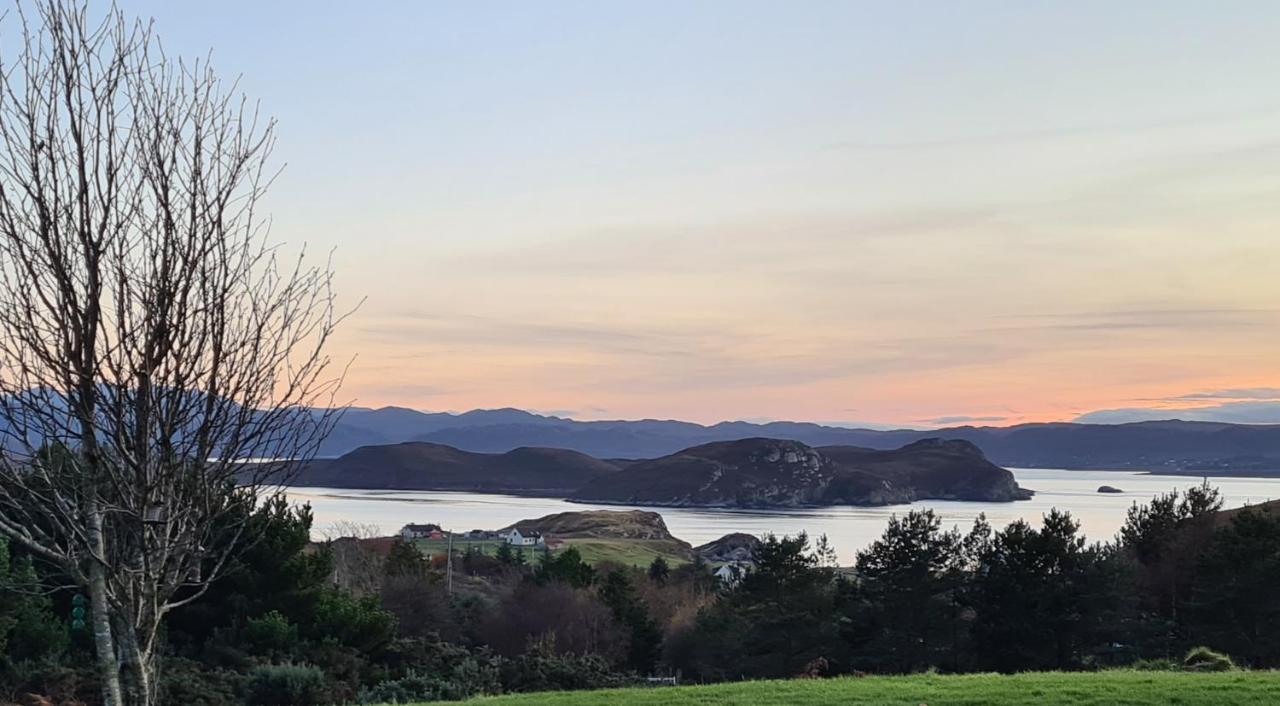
(848, 528)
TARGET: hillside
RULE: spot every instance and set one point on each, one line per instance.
(737, 546)
(936, 469)
(1222, 517)
(423, 466)
(1203, 447)
(1041, 688)
(628, 537)
(600, 524)
(754, 473)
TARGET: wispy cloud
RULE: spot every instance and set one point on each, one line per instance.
(1148, 319)
(1069, 131)
(1233, 393)
(584, 412)
(1264, 412)
(961, 419)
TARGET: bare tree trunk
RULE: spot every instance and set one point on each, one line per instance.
(139, 669)
(103, 639)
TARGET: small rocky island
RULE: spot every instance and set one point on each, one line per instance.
(1109, 489)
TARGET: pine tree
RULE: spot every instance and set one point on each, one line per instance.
(659, 571)
(905, 611)
(505, 555)
(645, 644)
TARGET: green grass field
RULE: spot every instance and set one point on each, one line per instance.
(437, 547)
(1120, 688)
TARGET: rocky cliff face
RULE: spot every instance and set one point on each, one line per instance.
(775, 473)
(933, 469)
(736, 547)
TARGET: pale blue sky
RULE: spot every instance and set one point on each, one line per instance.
(893, 212)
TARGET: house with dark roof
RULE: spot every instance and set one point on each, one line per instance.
(516, 538)
(412, 531)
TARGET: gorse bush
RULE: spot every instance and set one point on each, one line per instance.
(462, 678)
(287, 685)
(1155, 665)
(1203, 659)
(541, 668)
(414, 688)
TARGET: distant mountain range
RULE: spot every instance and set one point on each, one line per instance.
(1211, 448)
(747, 473)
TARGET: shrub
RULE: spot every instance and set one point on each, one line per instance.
(468, 677)
(287, 685)
(271, 632)
(541, 668)
(184, 681)
(1155, 665)
(1203, 659)
(60, 682)
(413, 688)
(356, 622)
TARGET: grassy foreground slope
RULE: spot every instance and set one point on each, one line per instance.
(1125, 688)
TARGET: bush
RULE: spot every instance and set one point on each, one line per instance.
(411, 689)
(541, 668)
(468, 678)
(184, 681)
(60, 682)
(356, 622)
(287, 685)
(271, 633)
(414, 688)
(1203, 659)
(422, 670)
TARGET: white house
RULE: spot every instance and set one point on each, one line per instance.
(517, 538)
(731, 574)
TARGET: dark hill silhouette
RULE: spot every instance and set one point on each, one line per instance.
(781, 473)
(422, 466)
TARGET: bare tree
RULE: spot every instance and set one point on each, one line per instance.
(151, 339)
(358, 556)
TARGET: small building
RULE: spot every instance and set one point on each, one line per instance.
(436, 534)
(516, 538)
(732, 573)
(412, 531)
(553, 544)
